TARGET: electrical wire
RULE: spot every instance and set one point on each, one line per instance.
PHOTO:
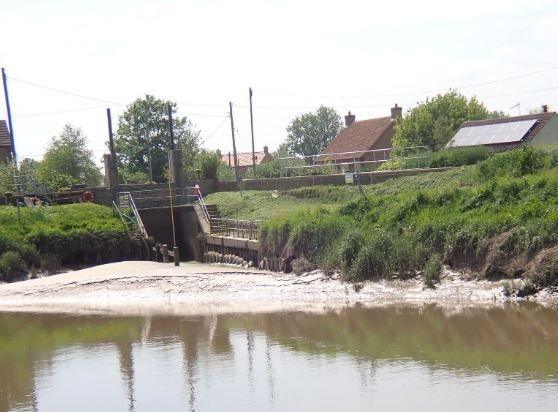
(59, 112)
(465, 86)
(215, 131)
(52, 89)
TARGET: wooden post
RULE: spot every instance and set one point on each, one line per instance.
(233, 142)
(171, 128)
(9, 114)
(252, 131)
(114, 165)
(165, 253)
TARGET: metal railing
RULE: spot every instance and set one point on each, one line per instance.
(244, 229)
(149, 198)
(126, 201)
(202, 204)
(355, 159)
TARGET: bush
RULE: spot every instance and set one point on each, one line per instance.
(459, 156)
(302, 265)
(11, 266)
(432, 271)
(515, 163)
(207, 163)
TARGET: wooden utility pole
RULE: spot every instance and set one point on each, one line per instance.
(148, 140)
(114, 165)
(233, 142)
(9, 110)
(171, 128)
(252, 131)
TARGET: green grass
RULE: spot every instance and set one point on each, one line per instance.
(50, 236)
(261, 205)
(482, 217)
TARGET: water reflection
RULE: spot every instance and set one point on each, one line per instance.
(354, 359)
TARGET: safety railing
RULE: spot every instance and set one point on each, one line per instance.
(163, 197)
(202, 204)
(126, 201)
(407, 157)
(244, 229)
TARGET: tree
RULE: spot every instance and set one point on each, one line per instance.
(310, 133)
(68, 161)
(28, 175)
(434, 122)
(143, 134)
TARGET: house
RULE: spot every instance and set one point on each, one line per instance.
(508, 133)
(245, 159)
(5, 142)
(361, 141)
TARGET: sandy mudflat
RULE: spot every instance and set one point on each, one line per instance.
(194, 288)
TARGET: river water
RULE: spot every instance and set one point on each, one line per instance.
(388, 358)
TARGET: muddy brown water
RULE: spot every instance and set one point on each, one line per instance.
(389, 358)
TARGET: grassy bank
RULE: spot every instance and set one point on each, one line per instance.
(498, 218)
(51, 236)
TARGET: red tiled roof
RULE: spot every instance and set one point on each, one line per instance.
(4, 134)
(359, 136)
(245, 158)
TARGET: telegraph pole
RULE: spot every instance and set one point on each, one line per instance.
(172, 171)
(148, 140)
(233, 142)
(9, 110)
(114, 166)
(252, 131)
(171, 128)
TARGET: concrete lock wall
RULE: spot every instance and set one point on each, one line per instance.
(158, 223)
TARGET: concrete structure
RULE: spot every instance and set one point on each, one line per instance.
(5, 142)
(508, 133)
(360, 136)
(245, 159)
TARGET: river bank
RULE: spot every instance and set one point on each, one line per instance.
(138, 287)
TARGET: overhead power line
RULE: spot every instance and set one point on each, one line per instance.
(464, 86)
(60, 112)
(52, 89)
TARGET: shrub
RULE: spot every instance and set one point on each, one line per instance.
(459, 156)
(11, 266)
(516, 163)
(349, 249)
(207, 163)
(302, 265)
(432, 271)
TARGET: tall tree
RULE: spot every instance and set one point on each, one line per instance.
(310, 133)
(68, 160)
(142, 140)
(434, 122)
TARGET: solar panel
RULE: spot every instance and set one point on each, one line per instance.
(492, 133)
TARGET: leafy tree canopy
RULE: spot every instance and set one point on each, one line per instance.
(434, 122)
(310, 133)
(143, 132)
(68, 160)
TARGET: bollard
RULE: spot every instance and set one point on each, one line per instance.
(165, 253)
(176, 256)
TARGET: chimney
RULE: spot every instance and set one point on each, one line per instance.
(266, 150)
(396, 112)
(349, 119)
(545, 108)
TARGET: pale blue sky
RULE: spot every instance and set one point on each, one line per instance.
(354, 55)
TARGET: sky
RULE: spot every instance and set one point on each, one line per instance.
(362, 56)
